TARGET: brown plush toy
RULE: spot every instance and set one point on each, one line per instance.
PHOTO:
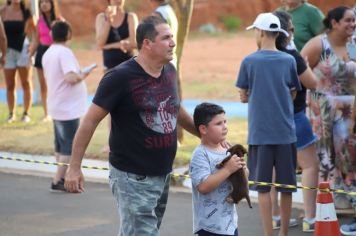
(238, 179)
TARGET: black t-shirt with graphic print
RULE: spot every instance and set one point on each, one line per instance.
(143, 109)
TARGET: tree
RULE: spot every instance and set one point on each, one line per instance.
(183, 10)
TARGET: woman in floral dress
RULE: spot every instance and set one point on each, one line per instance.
(332, 102)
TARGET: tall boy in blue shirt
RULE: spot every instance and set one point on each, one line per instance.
(268, 80)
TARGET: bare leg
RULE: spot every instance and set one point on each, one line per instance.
(274, 197)
(26, 83)
(264, 203)
(286, 208)
(10, 89)
(309, 162)
(43, 86)
(61, 170)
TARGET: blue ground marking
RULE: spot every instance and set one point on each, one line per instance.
(233, 109)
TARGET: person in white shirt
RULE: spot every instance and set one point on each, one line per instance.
(67, 95)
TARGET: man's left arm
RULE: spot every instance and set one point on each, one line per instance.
(186, 121)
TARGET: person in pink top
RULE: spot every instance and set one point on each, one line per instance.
(48, 14)
(67, 96)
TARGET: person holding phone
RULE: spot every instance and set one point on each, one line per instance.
(67, 96)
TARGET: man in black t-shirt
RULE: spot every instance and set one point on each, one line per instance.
(142, 99)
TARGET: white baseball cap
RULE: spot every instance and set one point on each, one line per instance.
(267, 22)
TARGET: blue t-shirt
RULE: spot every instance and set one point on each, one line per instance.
(211, 212)
(268, 76)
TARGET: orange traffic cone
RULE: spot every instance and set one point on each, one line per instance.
(326, 223)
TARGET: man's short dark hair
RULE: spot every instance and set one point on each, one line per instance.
(147, 29)
(205, 112)
(60, 31)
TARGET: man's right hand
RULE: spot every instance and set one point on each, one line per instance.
(74, 180)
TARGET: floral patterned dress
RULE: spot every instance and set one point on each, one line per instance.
(331, 107)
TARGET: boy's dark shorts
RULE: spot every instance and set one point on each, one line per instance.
(64, 132)
(262, 159)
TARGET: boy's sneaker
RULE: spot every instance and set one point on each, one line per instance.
(348, 229)
(25, 118)
(58, 187)
(276, 223)
(11, 118)
(308, 226)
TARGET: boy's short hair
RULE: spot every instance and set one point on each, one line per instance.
(147, 29)
(271, 34)
(205, 112)
(60, 31)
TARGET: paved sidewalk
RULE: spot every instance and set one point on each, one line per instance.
(27, 208)
(45, 169)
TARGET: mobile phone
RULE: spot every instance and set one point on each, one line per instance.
(351, 50)
(89, 68)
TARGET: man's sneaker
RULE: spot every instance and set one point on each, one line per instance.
(276, 223)
(348, 229)
(307, 226)
(58, 187)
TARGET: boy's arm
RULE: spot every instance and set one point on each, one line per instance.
(293, 92)
(215, 180)
(243, 95)
(242, 83)
(74, 78)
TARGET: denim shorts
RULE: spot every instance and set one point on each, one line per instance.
(64, 132)
(305, 135)
(262, 159)
(141, 201)
(16, 59)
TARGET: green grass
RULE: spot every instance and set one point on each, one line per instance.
(214, 90)
(36, 137)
